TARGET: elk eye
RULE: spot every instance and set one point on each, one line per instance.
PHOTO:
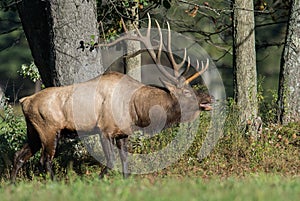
(187, 93)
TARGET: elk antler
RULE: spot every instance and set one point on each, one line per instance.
(146, 40)
(198, 73)
(176, 66)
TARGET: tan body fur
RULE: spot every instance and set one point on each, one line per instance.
(113, 104)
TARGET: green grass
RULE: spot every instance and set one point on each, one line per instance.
(252, 187)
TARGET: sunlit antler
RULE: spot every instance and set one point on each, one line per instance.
(198, 73)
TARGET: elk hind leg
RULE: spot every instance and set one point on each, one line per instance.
(48, 152)
(21, 157)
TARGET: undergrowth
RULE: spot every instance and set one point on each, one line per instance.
(276, 151)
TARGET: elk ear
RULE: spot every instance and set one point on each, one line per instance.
(169, 86)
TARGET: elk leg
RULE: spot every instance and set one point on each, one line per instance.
(48, 155)
(21, 157)
(46, 162)
(29, 149)
(123, 152)
(107, 147)
(48, 165)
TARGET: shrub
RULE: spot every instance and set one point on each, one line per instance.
(276, 151)
(12, 134)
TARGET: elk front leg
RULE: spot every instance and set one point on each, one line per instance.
(107, 147)
(122, 144)
(47, 164)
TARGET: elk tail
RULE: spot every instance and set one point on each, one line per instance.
(25, 102)
(22, 100)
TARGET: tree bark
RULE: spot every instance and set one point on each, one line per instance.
(54, 30)
(133, 64)
(245, 76)
(289, 84)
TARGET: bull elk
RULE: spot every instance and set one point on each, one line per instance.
(103, 105)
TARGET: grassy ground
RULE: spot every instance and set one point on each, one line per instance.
(252, 187)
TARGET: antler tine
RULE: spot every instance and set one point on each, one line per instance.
(158, 62)
(127, 36)
(197, 66)
(148, 29)
(183, 60)
(176, 66)
(189, 64)
(187, 67)
(160, 42)
(149, 25)
(198, 73)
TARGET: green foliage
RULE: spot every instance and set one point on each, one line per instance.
(12, 127)
(12, 134)
(267, 102)
(269, 107)
(30, 71)
(8, 5)
(72, 156)
(111, 13)
(14, 52)
(144, 2)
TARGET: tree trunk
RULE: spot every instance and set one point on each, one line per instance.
(54, 30)
(289, 84)
(133, 64)
(245, 77)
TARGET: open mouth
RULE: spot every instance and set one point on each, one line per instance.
(206, 106)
